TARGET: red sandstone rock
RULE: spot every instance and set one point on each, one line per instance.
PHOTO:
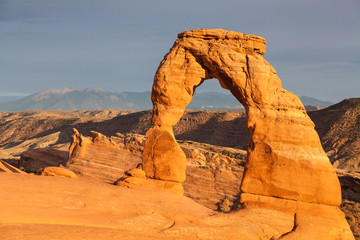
(36, 159)
(287, 170)
(100, 157)
(150, 184)
(310, 220)
(168, 161)
(285, 157)
(135, 172)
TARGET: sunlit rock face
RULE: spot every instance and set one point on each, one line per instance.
(287, 169)
(285, 156)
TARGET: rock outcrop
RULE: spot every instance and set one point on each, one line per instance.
(212, 172)
(101, 157)
(136, 178)
(58, 172)
(350, 185)
(35, 160)
(286, 164)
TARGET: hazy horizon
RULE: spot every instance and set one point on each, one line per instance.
(118, 45)
(201, 91)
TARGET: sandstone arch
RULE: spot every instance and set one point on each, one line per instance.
(285, 156)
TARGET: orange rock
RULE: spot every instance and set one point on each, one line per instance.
(150, 184)
(135, 172)
(310, 220)
(130, 181)
(58, 172)
(101, 157)
(163, 159)
(93, 209)
(285, 156)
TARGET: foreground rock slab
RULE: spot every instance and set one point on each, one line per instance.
(64, 208)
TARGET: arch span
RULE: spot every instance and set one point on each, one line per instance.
(285, 156)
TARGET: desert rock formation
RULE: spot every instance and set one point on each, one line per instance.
(101, 157)
(212, 171)
(285, 157)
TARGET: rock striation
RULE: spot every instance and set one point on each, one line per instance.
(101, 157)
(286, 168)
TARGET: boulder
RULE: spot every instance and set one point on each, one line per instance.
(34, 160)
(58, 172)
(135, 172)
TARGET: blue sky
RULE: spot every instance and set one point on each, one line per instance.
(117, 45)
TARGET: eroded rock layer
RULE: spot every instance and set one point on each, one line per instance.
(100, 157)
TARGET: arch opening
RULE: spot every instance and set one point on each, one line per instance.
(209, 95)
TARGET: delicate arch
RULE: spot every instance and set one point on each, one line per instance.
(285, 156)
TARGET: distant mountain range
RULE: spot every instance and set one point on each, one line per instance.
(87, 99)
(91, 99)
(313, 101)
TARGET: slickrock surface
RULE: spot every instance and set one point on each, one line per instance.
(285, 157)
(67, 208)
